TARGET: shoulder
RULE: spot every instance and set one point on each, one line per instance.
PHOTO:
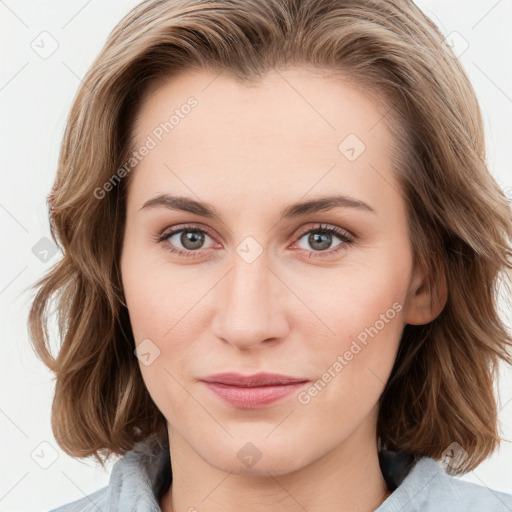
(428, 488)
(134, 484)
(467, 496)
(93, 502)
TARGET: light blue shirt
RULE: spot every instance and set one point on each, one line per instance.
(138, 476)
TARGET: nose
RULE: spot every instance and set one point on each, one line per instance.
(251, 305)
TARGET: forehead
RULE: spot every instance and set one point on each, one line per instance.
(325, 103)
(289, 130)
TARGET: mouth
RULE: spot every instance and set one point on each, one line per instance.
(253, 391)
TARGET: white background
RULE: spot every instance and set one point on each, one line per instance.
(35, 96)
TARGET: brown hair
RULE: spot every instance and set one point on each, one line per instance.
(441, 387)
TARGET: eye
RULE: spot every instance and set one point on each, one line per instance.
(321, 238)
(189, 240)
(185, 240)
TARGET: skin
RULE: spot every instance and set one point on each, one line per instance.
(250, 152)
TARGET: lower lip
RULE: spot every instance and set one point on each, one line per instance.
(253, 397)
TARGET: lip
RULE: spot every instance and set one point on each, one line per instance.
(253, 391)
(255, 380)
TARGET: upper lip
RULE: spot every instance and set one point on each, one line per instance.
(257, 379)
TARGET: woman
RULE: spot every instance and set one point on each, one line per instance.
(281, 247)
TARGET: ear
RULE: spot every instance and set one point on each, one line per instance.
(424, 305)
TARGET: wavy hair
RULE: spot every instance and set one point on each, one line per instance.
(441, 387)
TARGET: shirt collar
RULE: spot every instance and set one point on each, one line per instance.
(138, 479)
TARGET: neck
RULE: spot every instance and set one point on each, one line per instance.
(348, 478)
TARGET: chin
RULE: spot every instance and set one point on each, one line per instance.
(258, 458)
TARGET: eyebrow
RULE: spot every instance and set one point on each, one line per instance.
(186, 204)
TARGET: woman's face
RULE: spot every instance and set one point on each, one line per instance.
(249, 283)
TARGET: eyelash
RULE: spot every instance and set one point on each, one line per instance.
(345, 238)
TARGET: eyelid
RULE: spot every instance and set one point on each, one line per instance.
(346, 239)
(327, 227)
(168, 232)
(172, 230)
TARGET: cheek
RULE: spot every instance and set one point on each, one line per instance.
(358, 299)
(353, 364)
(361, 307)
(162, 331)
(157, 298)
(167, 315)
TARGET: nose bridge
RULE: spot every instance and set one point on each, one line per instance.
(248, 311)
